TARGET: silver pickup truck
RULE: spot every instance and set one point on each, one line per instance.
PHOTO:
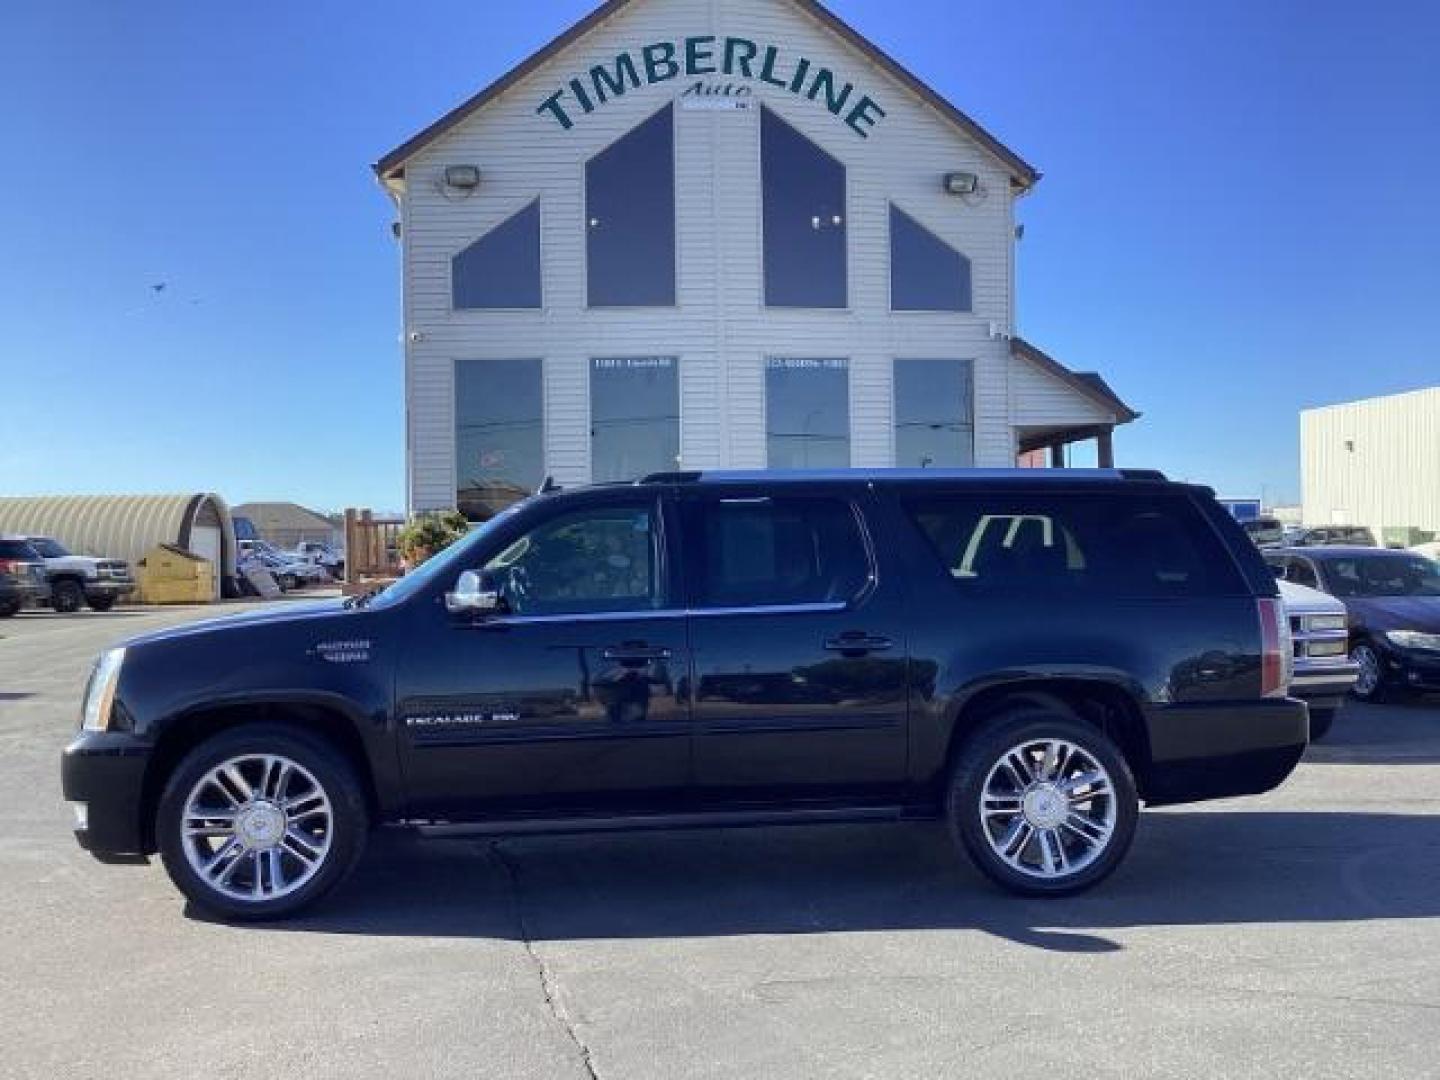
(1324, 672)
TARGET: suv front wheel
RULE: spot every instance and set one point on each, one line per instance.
(260, 822)
(1043, 803)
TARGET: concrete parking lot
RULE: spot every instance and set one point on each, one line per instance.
(1291, 935)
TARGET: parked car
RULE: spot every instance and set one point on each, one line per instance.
(289, 572)
(321, 554)
(22, 577)
(1324, 673)
(1265, 531)
(1027, 654)
(1328, 535)
(1393, 601)
(82, 579)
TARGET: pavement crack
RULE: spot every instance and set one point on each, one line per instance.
(549, 985)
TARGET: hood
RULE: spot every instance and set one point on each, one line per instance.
(1302, 598)
(283, 613)
(1397, 612)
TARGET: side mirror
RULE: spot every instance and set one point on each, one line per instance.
(1278, 571)
(473, 595)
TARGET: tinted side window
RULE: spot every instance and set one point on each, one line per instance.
(587, 562)
(1111, 544)
(18, 549)
(787, 551)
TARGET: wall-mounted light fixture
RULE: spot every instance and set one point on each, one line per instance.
(962, 183)
(462, 177)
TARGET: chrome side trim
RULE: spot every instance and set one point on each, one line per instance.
(668, 613)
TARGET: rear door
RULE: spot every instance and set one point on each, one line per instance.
(798, 649)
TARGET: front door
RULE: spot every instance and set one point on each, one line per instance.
(571, 698)
(798, 648)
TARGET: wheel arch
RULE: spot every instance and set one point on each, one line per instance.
(328, 720)
(1108, 705)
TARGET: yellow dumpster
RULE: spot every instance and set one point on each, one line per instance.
(172, 575)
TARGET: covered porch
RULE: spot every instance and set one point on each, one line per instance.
(1054, 410)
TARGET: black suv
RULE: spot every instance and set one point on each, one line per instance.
(1027, 654)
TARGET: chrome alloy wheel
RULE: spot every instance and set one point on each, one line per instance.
(257, 827)
(1368, 680)
(1048, 808)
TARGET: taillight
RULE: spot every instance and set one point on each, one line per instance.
(1277, 648)
(10, 566)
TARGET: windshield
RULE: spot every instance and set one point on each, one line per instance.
(1383, 575)
(50, 549)
(449, 563)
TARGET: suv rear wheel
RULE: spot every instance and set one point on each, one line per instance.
(260, 822)
(1043, 803)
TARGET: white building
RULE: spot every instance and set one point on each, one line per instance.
(1375, 463)
(695, 234)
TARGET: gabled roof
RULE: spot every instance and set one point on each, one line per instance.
(1022, 173)
(1088, 383)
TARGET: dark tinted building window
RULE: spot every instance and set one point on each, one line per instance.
(926, 274)
(807, 413)
(499, 434)
(1105, 544)
(758, 553)
(502, 268)
(591, 561)
(934, 414)
(630, 218)
(804, 194)
(634, 416)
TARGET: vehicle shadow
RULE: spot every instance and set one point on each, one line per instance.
(1187, 868)
(1406, 732)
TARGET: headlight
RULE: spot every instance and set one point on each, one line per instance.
(1414, 639)
(100, 694)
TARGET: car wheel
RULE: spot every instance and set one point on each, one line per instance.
(9, 608)
(1321, 721)
(100, 602)
(260, 822)
(1043, 803)
(66, 597)
(1370, 684)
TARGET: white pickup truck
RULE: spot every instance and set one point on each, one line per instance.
(1324, 672)
(81, 579)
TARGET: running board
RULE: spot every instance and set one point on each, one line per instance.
(699, 820)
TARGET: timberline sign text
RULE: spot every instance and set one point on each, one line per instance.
(711, 56)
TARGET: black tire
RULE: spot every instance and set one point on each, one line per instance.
(1321, 721)
(1023, 728)
(348, 827)
(1377, 692)
(67, 597)
(9, 607)
(100, 602)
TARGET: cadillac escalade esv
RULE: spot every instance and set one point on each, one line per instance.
(1029, 655)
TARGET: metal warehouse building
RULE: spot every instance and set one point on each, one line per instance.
(1375, 463)
(699, 234)
(128, 526)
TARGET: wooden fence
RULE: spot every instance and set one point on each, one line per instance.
(371, 558)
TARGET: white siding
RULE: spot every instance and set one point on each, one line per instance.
(720, 329)
(1391, 476)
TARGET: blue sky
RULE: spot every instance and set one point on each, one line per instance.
(1237, 220)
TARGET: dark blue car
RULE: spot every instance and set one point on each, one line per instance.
(1393, 599)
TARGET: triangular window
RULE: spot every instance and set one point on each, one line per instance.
(926, 274)
(501, 270)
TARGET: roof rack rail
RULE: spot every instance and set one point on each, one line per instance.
(1143, 474)
(671, 478)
